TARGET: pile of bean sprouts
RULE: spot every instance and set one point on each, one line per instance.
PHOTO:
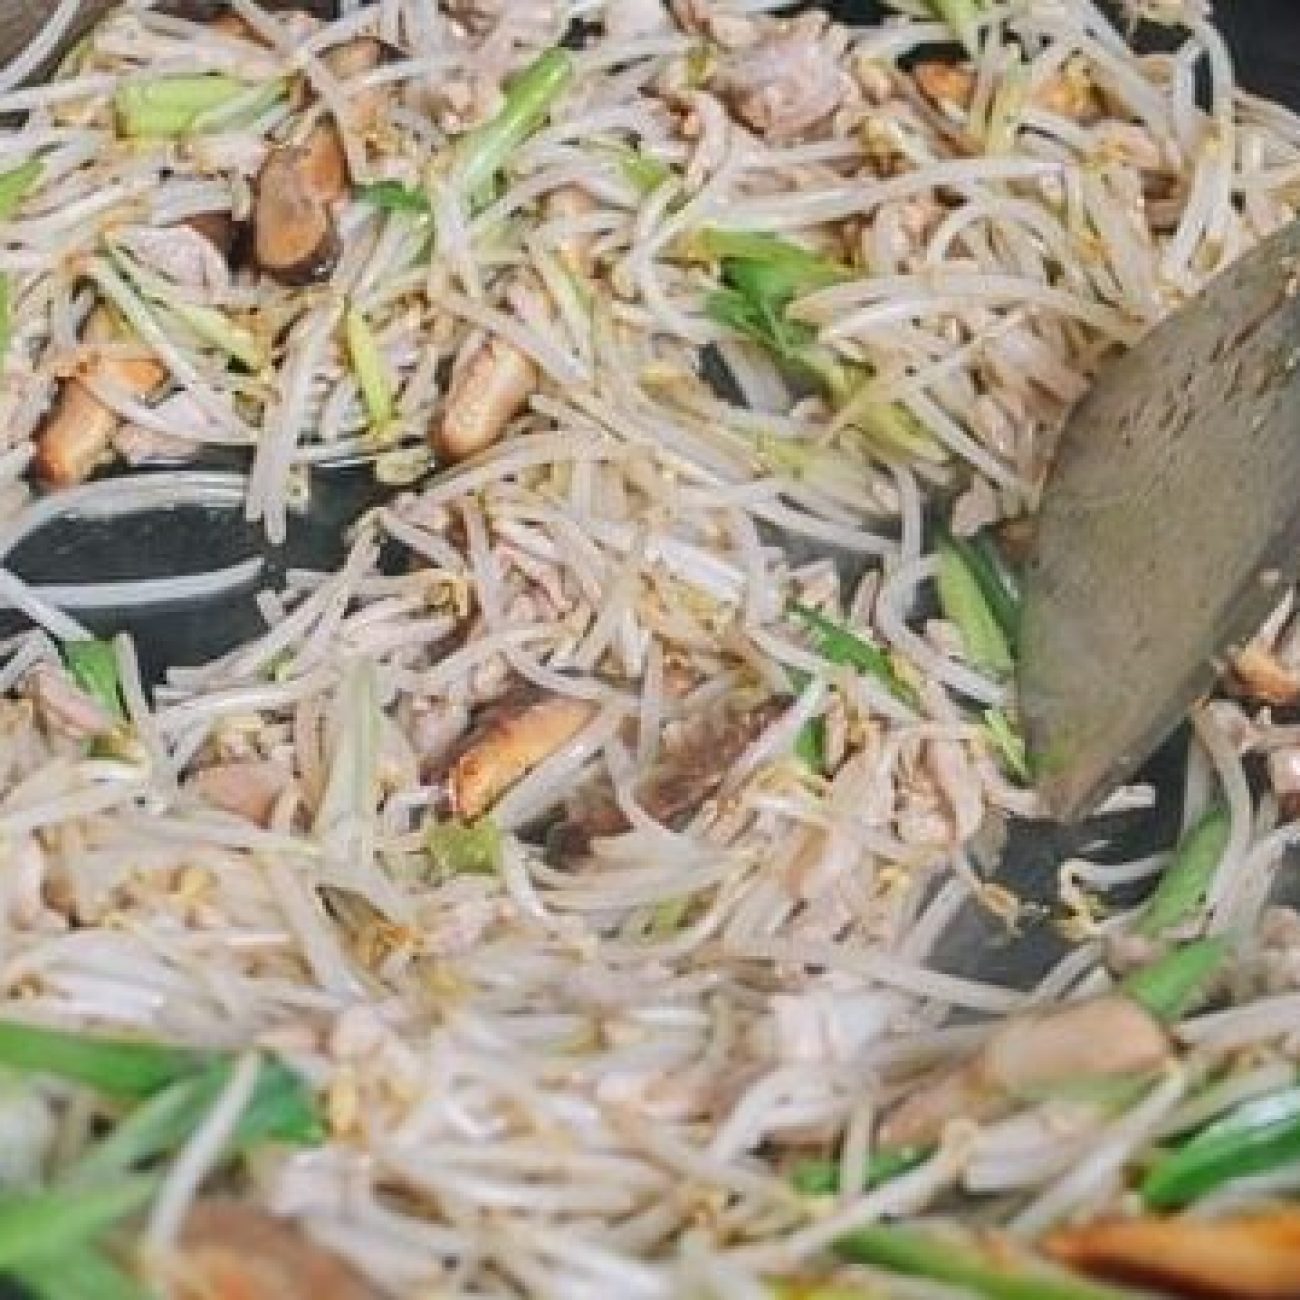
(589, 1070)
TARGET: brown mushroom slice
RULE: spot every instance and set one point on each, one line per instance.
(513, 738)
(295, 240)
(491, 386)
(1104, 1038)
(325, 164)
(1250, 1257)
(679, 784)
(232, 1251)
(77, 435)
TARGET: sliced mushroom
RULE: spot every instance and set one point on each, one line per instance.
(231, 1251)
(78, 433)
(295, 240)
(492, 383)
(1107, 1037)
(1250, 1257)
(684, 778)
(1069, 93)
(513, 738)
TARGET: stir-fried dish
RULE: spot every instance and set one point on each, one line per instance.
(552, 901)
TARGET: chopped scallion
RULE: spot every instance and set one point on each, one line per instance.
(643, 172)
(43, 1225)
(484, 151)
(172, 106)
(1170, 986)
(371, 370)
(457, 849)
(1008, 743)
(16, 185)
(962, 600)
(1259, 1137)
(1001, 1274)
(1186, 880)
(93, 665)
(393, 196)
(114, 1066)
(840, 645)
(822, 1177)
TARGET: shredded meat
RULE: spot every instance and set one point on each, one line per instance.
(791, 81)
(64, 707)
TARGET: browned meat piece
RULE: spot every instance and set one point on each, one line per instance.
(1106, 1037)
(78, 433)
(512, 738)
(1251, 1257)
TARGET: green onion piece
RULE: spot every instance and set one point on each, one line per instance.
(6, 317)
(154, 1128)
(82, 1273)
(42, 1225)
(791, 343)
(208, 323)
(754, 303)
(810, 745)
(643, 173)
(393, 196)
(16, 185)
(116, 1067)
(667, 917)
(839, 645)
(1258, 1137)
(281, 1109)
(1009, 744)
(783, 268)
(456, 849)
(93, 665)
(964, 605)
(890, 429)
(980, 556)
(216, 328)
(1171, 986)
(1186, 880)
(1001, 1277)
(822, 1177)
(963, 17)
(371, 371)
(483, 152)
(241, 111)
(172, 106)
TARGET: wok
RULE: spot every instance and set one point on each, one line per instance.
(1265, 35)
